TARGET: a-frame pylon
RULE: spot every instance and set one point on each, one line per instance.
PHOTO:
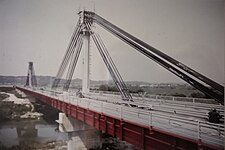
(82, 34)
(31, 78)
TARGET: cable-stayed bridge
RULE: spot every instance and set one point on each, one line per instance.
(148, 122)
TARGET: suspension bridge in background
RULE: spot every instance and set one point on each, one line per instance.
(149, 121)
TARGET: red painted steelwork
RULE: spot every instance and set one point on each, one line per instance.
(140, 136)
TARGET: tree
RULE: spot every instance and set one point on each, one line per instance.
(103, 88)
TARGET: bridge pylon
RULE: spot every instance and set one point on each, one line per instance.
(82, 35)
(86, 74)
(87, 19)
(31, 78)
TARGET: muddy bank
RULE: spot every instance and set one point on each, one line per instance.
(11, 90)
(10, 111)
(13, 106)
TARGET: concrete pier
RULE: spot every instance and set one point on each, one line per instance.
(81, 136)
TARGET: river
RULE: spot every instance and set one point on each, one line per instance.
(30, 132)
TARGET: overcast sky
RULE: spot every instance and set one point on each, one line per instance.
(191, 31)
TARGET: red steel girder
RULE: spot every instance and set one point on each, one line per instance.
(138, 135)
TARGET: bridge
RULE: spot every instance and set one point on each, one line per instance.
(149, 121)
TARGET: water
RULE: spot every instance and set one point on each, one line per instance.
(14, 133)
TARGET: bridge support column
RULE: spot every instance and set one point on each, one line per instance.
(85, 81)
(81, 135)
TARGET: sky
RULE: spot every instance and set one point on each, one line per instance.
(191, 31)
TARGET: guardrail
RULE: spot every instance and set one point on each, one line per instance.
(187, 109)
(205, 132)
(171, 98)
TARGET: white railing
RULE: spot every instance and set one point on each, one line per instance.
(188, 109)
(171, 98)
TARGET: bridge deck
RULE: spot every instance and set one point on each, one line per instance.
(188, 121)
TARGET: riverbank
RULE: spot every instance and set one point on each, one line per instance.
(15, 106)
(23, 126)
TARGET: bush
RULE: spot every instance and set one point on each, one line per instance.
(103, 88)
(178, 95)
(197, 95)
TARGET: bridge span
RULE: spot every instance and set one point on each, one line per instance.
(151, 124)
(146, 122)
